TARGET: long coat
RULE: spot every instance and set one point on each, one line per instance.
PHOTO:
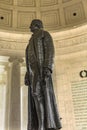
(40, 55)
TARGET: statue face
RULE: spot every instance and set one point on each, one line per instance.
(33, 27)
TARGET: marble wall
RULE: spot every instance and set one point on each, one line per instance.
(71, 91)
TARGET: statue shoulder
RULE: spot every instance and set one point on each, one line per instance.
(47, 34)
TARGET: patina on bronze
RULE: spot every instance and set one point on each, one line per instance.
(42, 109)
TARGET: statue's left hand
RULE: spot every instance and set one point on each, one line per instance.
(46, 72)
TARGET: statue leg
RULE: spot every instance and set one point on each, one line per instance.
(38, 99)
(40, 113)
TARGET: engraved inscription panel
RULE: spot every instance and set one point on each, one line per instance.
(79, 95)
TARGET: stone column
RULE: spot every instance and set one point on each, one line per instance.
(2, 96)
(15, 109)
(7, 103)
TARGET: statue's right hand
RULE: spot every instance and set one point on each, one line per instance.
(26, 81)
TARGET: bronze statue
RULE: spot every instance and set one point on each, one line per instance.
(42, 108)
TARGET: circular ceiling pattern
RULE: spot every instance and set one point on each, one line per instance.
(16, 15)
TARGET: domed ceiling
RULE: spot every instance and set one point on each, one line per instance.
(16, 15)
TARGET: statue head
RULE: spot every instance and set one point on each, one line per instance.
(36, 24)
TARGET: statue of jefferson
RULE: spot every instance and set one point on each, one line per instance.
(42, 109)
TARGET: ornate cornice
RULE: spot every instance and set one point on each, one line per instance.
(13, 44)
(71, 42)
(66, 42)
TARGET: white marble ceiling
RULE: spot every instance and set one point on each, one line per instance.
(16, 15)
